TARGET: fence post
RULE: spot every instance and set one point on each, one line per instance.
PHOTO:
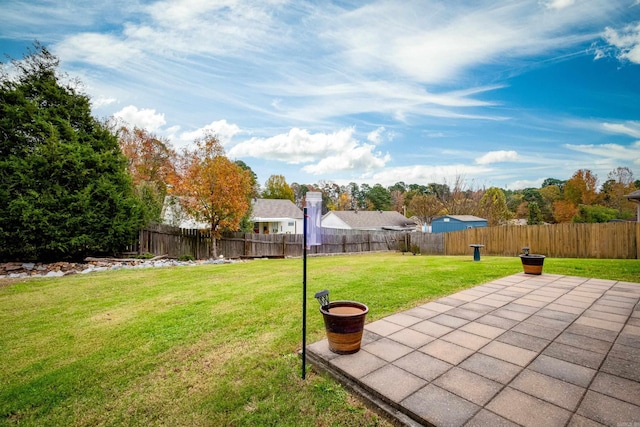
(638, 240)
(140, 237)
(284, 246)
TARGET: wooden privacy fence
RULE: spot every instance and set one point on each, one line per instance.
(162, 239)
(614, 240)
(249, 245)
(619, 240)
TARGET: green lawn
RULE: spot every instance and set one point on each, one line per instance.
(210, 345)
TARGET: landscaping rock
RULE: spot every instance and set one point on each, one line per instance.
(54, 274)
(19, 270)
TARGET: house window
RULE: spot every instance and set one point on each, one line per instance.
(290, 224)
(446, 220)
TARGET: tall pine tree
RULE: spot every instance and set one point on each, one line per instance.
(64, 189)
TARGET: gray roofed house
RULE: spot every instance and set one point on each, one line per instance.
(367, 220)
(276, 216)
(635, 197)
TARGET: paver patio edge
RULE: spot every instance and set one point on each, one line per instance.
(370, 398)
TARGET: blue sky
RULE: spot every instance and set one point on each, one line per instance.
(501, 93)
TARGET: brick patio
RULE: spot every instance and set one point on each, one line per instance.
(526, 350)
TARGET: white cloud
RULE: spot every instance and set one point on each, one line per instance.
(221, 128)
(425, 174)
(523, 183)
(625, 41)
(357, 158)
(631, 128)
(497, 157)
(376, 136)
(145, 118)
(334, 152)
(296, 146)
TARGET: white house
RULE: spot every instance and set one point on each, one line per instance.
(174, 215)
(367, 220)
(276, 216)
(269, 216)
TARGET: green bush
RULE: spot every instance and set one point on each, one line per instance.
(596, 213)
(145, 255)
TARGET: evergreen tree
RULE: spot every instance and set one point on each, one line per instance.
(379, 198)
(64, 189)
(535, 215)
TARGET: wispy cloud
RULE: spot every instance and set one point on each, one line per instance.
(101, 102)
(98, 49)
(559, 4)
(432, 42)
(374, 58)
(630, 128)
(610, 152)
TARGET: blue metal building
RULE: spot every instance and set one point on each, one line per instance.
(446, 223)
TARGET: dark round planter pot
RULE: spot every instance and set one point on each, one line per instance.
(532, 263)
(344, 323)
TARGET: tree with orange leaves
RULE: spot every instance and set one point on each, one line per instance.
(150, 158)
(564, 210)
(582, 188)
(213, 189)
(151, 165)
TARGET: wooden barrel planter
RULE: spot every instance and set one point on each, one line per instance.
(344, 323)
(532, 263)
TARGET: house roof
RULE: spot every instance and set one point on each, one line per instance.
(372, 219)
(264, 209)
(463, 218)
(633, 196)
